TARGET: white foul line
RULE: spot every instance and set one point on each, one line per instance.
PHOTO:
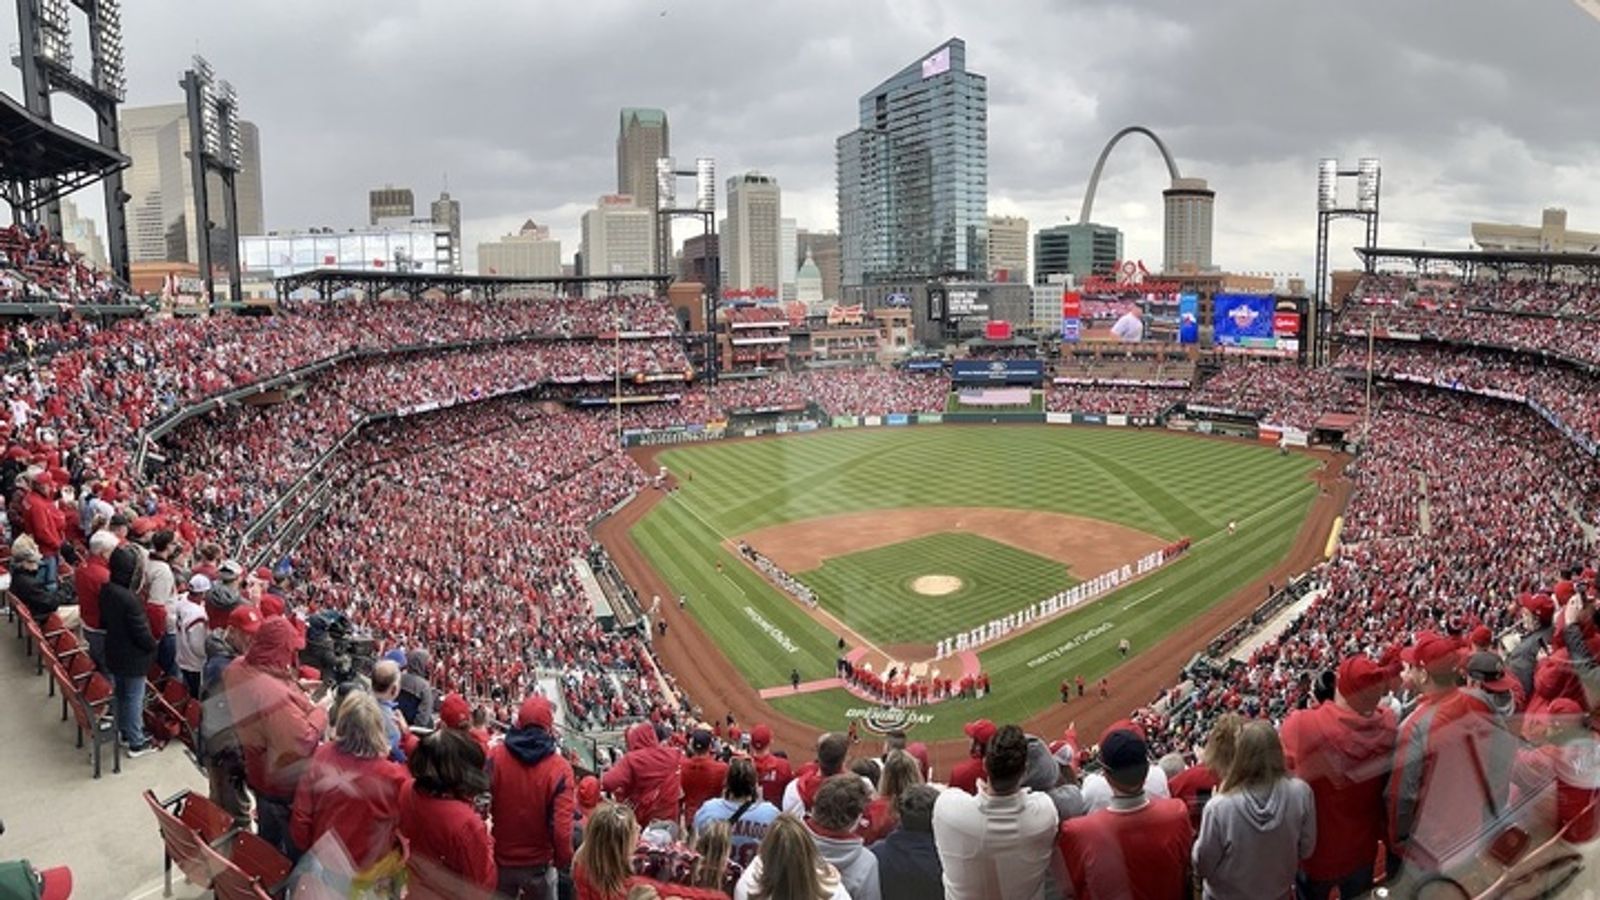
(1143, 599)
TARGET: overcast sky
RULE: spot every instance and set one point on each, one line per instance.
(1479, 109)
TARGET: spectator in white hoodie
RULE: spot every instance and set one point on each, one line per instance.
(1000, 843)
(191, 631)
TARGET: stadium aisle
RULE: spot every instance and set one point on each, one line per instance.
(54, 811)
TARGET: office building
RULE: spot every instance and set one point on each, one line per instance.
(81, 233)
(698, 262)
(1549, 236)
(390, 202)
(1187, 235)
(530, 253)
(415, 245)
(1079, 250)
(754, 229)
(161, 189)
(808, 286)
(823, 248)
(1008, 248)
(788, 261)
(642, 138)
(616, 238)
(913, 177)
(446, 212)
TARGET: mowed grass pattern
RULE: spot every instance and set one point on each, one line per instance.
(871, 591)
(1168, 485)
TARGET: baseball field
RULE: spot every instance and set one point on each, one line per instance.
(907, 536)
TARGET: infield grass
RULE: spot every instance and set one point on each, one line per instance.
(1168, 485)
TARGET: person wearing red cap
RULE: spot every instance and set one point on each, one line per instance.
(1139, 845)
(772, 771)
(219, 744)
(1452, 769)
(1535, 615)
(42, 520)
(456, 713)
(832, 748)
(19, 878)
(965, 775)
(1571, 671)
(702, 775)
(531, 795)
(450, 852)
(277, 725)
(1344, 748)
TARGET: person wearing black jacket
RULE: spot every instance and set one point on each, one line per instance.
(130, 647)
(908, 861)
(30, 587)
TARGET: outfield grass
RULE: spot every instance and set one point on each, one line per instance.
(1168, 485)
(871, 591)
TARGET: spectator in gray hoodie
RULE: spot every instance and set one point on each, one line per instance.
(834, 816)
(1053, 775)
(1258, 826)
(417, 697)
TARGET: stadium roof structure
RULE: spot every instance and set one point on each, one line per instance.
(32, 150)
(1468, 263)
(328, 282)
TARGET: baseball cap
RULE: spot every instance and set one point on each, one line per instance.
(229, 570)
(1439, 655)
(272, 605)
(199, 584)
(535, 711)
(54, 884)
(1408, 655)
(120, 520)
(1491, 670)
(1564, 591)
(1361, 682)
(1121, 725)
(262, 573)
(396, 655)
(1481, 636)
(982, 730)
(245, 618)
(701, 739)
(588, 793)
(1540, 605)
(1125, 757)
(760, 737)
(454, 711)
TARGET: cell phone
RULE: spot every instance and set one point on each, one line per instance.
(1508, 845)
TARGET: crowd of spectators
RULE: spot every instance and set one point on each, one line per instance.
(37, 267)
(1285, 394)
(1133, 401)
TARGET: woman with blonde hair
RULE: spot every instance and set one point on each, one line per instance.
(714, 868)
(346, 809)
(900, 772)
(788, 867)
(1258, 826)
(602, 869)
(1196, 784)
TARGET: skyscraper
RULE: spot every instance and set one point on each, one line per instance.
(788, 262)
(913, 178)
(754, 230)
(642, 138)
(447, 212)
(616, 238)
(160, 213)
(1008, 248)
(1080, 250)
(1187, 235)
(390, 202)
(530, 253)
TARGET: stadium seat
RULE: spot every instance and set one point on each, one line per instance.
(92, 708)
(252, 869)
(189, 825)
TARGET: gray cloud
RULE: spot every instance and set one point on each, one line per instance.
(1479, 108)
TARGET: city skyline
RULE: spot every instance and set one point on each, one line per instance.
(1436, 93)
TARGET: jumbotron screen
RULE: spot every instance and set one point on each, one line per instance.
(1255, 323)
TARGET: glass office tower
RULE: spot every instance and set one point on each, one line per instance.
(914, 176)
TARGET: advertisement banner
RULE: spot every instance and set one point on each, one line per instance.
(1070, 330)
(872, 421)
(1188, 318)
(1117, 420)
(844, 421)
(1286, 324)
(930, 418)
(897, 419)
(1058, 418)
(1089, 419)
(1071, 313)
(998, 371)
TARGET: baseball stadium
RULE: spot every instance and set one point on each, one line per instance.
(927, 554)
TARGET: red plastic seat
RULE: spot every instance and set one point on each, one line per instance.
(188, 824)
(92, 706)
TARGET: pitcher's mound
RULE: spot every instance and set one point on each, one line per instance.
(936, 585)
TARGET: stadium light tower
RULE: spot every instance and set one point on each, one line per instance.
(44, 54)
(1368, 175)
(214, 147)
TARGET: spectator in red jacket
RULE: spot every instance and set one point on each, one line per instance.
(1136, 847)
(702, 775)
(1343, 748)
(455, 713)
(530, 802)
(451, 855)
(87, 579)
(276, 724)
(42, 519)
(966, 774)
(347, 807)
(646, 778)
(772, 771)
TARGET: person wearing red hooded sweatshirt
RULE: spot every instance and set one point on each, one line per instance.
(647, 776)
(772, 771)
(42, 519)
(276, 724)
(450, 851)
(1344, 749)
(702, 775)
(831, 751)
(1572, 670)
(1452, 769)
(530, 802)
(87, 579)
(966, 774)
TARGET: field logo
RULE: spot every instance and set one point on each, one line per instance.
(773, 631)
(884, 719)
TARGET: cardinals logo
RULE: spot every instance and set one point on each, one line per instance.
(1243, 316)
